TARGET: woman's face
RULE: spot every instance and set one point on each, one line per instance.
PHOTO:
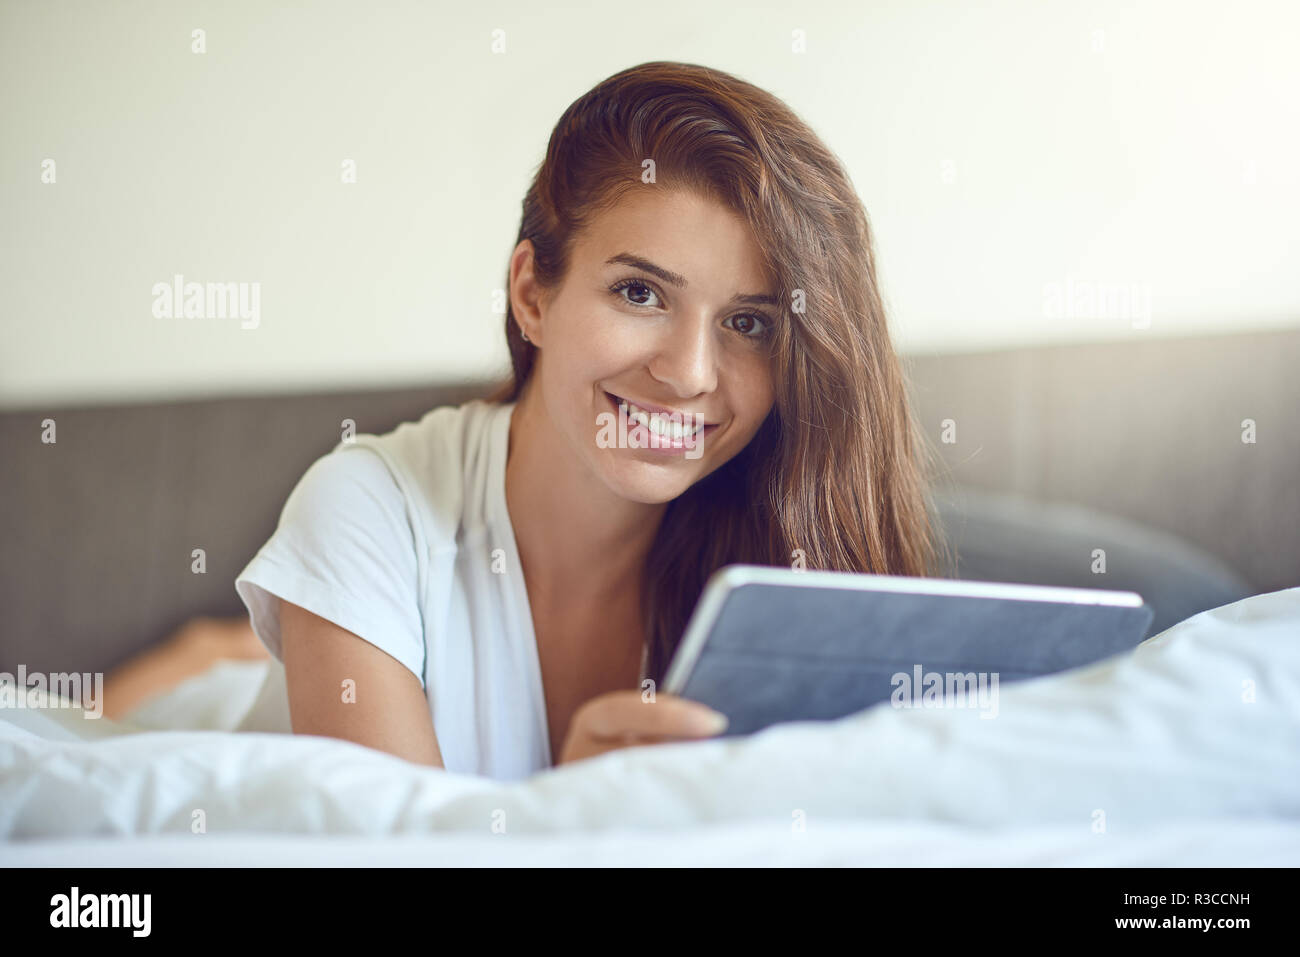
(665, 305)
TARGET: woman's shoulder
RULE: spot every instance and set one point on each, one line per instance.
(446, 434)
(441, 444)
(429, 460)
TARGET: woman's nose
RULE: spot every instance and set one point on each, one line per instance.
(685, 359)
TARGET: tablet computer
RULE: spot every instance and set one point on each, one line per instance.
(769, 644)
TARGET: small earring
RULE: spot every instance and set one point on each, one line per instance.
(524, 335)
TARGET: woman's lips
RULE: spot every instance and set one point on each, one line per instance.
(664, 443)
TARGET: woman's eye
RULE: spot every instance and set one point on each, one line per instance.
(748, 323)
(639, 291)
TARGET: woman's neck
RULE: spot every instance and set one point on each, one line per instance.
(579, 542)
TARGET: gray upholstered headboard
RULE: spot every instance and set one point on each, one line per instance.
(1149, 430)
(98, 529)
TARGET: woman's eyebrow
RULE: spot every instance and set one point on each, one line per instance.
(672, 278)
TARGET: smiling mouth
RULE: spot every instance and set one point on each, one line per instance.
(671, 427)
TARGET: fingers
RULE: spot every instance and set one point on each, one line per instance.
(626, 716)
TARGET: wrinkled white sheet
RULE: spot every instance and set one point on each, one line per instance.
(1188, 746)
(883, 843)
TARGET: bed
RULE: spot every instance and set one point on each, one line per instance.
(1182, 752)
(1185, 751)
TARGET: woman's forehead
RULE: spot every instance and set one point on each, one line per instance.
(687, 235)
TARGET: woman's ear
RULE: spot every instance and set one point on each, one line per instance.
(527, 297)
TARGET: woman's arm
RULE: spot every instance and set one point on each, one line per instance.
(384, 707)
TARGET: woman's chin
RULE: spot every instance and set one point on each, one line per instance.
(646, 483)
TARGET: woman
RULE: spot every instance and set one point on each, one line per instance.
(498, 588)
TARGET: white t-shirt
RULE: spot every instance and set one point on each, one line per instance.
(405, 540)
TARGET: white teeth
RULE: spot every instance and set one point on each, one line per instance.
(660, 423)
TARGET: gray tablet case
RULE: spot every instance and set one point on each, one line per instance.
(767, 645)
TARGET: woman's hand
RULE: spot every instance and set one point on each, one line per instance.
(624, 719)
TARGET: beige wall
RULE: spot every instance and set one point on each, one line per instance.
(1036, 172)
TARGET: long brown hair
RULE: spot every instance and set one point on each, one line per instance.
(835, 475)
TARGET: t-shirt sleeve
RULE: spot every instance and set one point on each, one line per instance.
(344, 550)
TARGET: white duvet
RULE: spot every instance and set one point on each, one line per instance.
(1185, 751)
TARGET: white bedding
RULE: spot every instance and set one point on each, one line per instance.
(1186, 843)
(1158, 757)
